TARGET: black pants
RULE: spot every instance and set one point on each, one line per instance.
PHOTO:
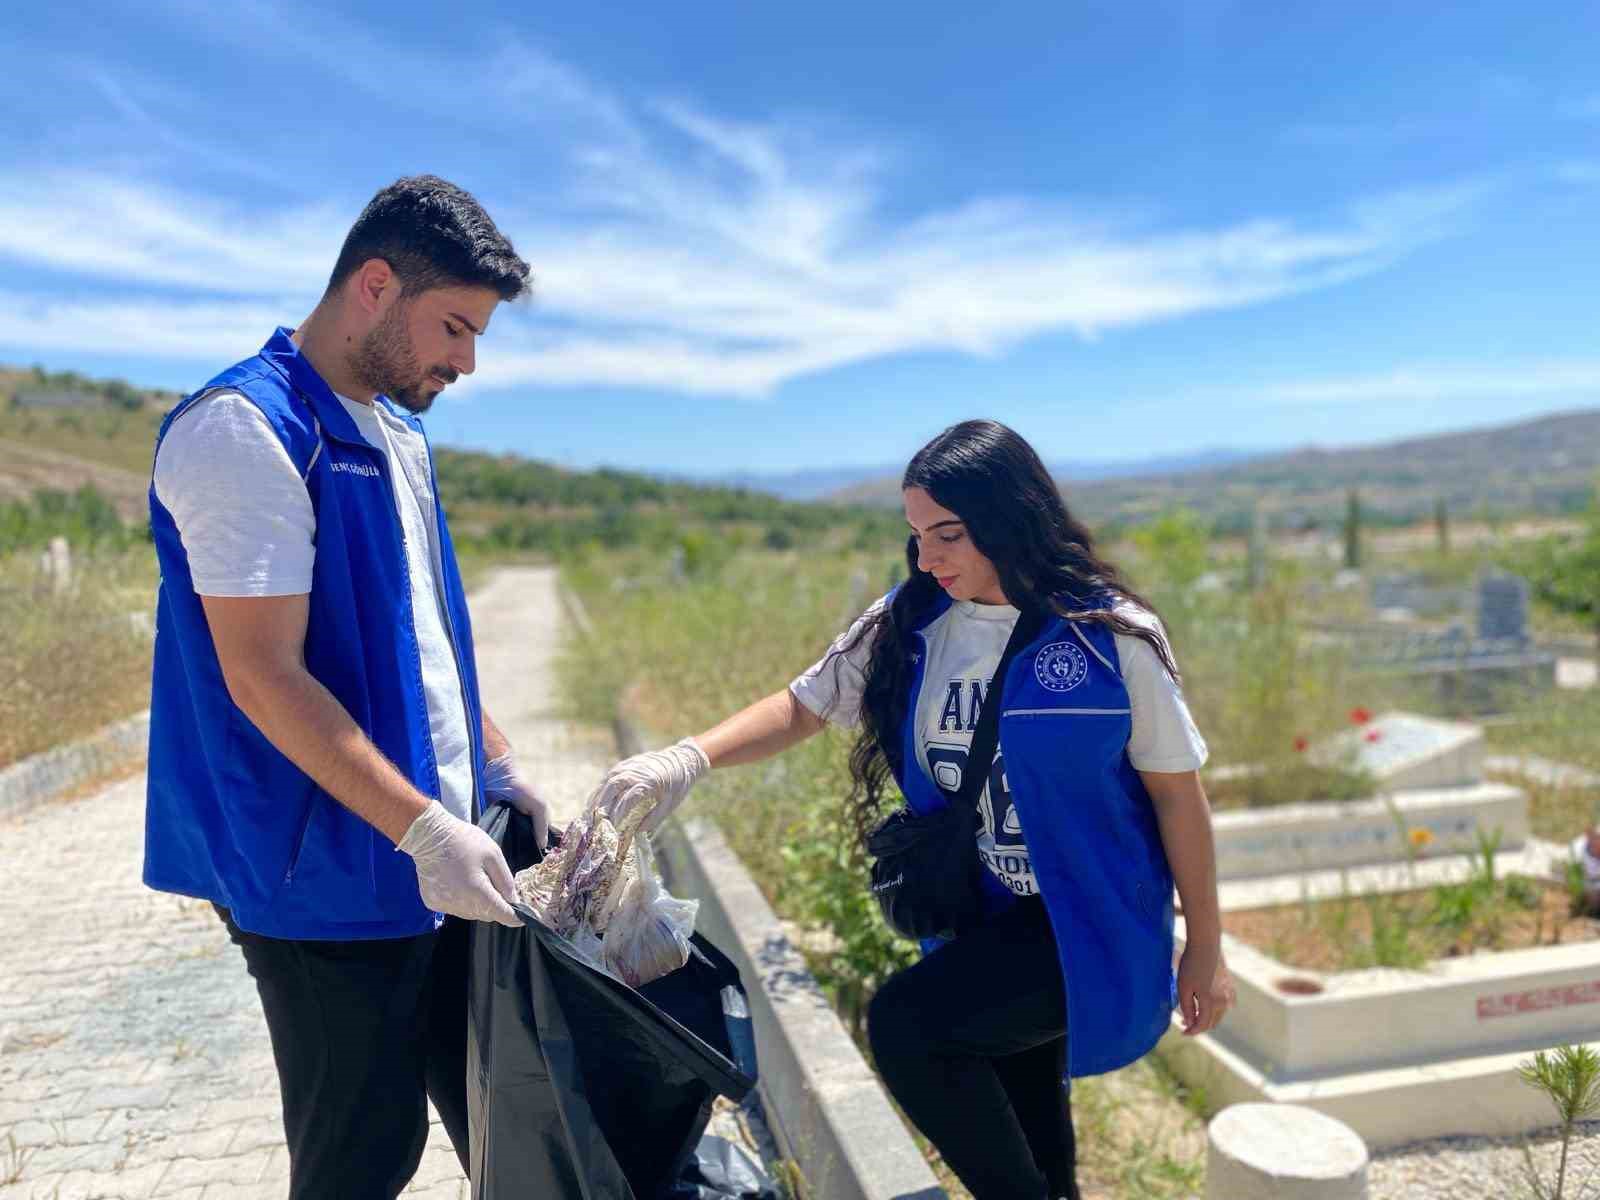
(364, 1034)
(972, 1042)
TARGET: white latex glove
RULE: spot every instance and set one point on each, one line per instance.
(664, 776)
(460, 869)
(502, 781)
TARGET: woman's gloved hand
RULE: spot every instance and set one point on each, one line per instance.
(661, 776)
(460, 869)
(502, 781)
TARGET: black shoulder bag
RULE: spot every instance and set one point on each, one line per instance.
(925, 872)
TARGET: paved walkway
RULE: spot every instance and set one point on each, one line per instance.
(134, 1062)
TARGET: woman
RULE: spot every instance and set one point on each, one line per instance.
(1092, 809)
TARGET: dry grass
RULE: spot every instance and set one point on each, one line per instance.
(72, 661)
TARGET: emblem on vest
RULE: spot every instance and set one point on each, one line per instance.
(1060, 667)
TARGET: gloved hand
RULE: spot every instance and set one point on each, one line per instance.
(460, 869)
(502, 781)
(664, 776)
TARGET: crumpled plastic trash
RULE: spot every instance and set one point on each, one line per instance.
(723, 1170)
(598, 888)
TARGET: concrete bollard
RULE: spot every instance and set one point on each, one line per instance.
(1283, 1152)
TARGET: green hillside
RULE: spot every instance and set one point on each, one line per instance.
(65, 434)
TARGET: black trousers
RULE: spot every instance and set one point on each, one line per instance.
(364, 1034)
(972, 1043)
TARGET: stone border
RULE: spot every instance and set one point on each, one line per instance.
(1328, 834)
(53, 773)
(826, 1108)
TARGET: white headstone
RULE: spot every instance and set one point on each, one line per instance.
(60, 558)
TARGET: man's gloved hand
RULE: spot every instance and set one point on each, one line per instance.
(664, 776)
(502, 781)
(460, 869)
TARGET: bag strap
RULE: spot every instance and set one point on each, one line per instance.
(986, 737)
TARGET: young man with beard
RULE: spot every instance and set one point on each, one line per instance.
(318, 752)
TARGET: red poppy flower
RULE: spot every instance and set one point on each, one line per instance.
(1301, 745)
(1360, 716)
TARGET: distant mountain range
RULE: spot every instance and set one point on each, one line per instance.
(1547, 465)
(830, 482)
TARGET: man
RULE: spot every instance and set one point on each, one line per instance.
(318, 752)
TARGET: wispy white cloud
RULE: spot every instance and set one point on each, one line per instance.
(696, 253)
(1578, 379)
(106, 228)
(196, 331)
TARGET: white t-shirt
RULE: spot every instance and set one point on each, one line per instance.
(965, 643)
(247, 525)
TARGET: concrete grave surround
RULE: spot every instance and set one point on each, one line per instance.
(1326, 834)
(1398, 1055)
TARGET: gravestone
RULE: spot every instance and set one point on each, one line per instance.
(57, 563)
(1503, 608)
(1395, 591)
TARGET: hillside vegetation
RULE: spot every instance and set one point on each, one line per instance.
(99, 440)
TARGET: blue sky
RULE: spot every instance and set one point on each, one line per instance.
(772, 237)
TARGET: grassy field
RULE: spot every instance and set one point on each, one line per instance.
(75, 660)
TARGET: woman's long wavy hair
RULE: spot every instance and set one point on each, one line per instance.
(993, 480)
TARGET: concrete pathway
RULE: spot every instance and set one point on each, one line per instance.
(134, 1062)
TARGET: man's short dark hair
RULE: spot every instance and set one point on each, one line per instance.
(433, 234)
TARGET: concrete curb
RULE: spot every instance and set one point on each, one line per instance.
(53, 773)
(823, 1103)
(576, 610)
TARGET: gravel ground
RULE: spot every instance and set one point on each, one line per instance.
(1478, 1168)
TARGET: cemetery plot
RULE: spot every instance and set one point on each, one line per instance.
(1412, 929)
(1401, 1010)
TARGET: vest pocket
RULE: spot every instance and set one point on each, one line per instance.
(300, 838)
(332, 864)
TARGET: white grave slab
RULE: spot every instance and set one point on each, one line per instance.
(1404, 751)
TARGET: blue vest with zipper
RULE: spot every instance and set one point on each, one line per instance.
(228, 817)
(1090, 829)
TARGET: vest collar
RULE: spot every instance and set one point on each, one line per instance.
(284, 357)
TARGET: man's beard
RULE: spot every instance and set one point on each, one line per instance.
(386, 362)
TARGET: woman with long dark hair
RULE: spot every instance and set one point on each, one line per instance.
(1091, 810)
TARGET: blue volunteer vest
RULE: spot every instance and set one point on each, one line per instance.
(228, 818)
(1090, 830)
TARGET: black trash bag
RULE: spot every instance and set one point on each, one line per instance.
(721, 1170)
(580, 1087)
